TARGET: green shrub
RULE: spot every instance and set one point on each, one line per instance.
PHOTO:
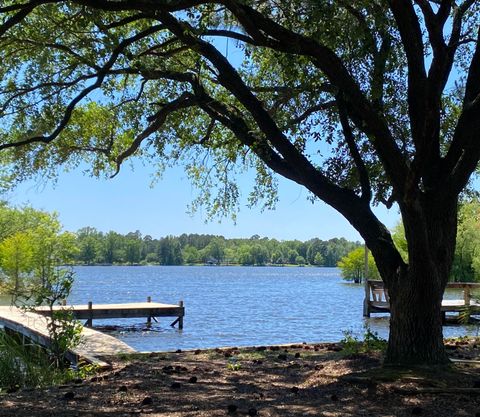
(371, 342)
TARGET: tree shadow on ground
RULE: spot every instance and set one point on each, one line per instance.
(299, 380)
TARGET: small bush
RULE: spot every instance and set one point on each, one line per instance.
(371, 342)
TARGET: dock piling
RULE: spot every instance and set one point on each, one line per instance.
(366, 300)
(180, 319)
(149, 318)
(466, 301)
(89, 322)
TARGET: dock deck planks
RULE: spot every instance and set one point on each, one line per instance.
(94, 345)
(126, 310)
(447, 306)
(377, 299)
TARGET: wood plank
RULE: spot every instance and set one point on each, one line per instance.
(125, 310)
(94, 346)
(463, 285)
(447, 306)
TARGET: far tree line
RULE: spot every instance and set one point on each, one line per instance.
(96, 247)
(33, 245)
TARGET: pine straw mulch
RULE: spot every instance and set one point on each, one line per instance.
(294, 380)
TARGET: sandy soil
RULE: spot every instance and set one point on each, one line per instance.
(296, 380)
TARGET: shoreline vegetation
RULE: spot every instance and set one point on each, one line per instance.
(97, 248)
(266, 265)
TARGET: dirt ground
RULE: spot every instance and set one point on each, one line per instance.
(296, 380)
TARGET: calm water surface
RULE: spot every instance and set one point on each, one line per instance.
(233, 306)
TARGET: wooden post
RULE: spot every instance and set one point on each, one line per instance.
(89, 322)
(149, 318)
(466, 295)
(366, 300)
(180, 319)
(466, 301)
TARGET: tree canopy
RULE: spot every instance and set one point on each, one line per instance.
(352, 266)
(32, 247)
(363, 103)
(298, 94)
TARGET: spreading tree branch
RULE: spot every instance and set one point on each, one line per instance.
(101, 75)
(156, 121)
(354, 152)
(367, 118)
(412, 41)
(464, 152)
(16, 18)
(312, 110)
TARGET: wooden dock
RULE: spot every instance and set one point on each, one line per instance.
(377, 299)
(94, 346)
(150, 310)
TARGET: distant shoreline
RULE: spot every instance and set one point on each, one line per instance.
(209, 265)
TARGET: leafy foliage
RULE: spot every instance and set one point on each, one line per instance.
(32, 246)
(109, 85)
(466, 262)
(25, 365)
(63, 329)
(352, 345)
(352, 266)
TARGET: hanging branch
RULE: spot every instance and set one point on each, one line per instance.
(354, 152)
(156, 122)
(101, 75)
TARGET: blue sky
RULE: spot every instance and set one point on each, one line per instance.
(127, 203)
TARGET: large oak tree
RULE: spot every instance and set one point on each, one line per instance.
(362, 103)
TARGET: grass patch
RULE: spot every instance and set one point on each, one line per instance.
(252, 355)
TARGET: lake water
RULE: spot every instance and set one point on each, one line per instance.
(233, 306)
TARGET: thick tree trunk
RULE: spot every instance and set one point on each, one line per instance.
(415, 321)
(416, 291)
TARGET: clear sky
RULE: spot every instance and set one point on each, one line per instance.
(127, 203)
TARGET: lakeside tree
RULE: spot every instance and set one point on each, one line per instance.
(16, 260)
(32, 248)
(352, 266)
(385, 112)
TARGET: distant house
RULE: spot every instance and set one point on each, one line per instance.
(211, 261)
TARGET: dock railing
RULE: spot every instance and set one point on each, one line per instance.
(377, 299)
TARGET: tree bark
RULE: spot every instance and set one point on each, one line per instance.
(416, 292)
(415, 321)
